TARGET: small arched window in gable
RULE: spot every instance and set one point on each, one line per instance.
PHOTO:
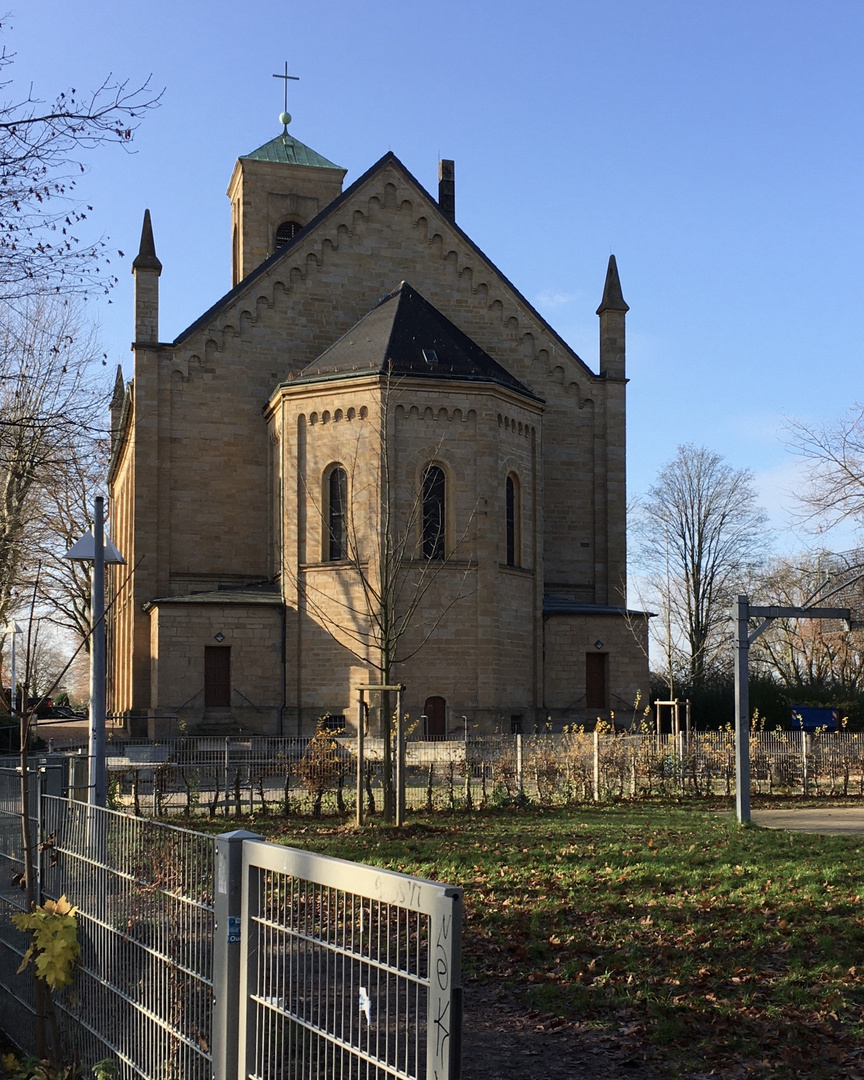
(337, 514)
(513, 520)
(434, 511)
(287, 231)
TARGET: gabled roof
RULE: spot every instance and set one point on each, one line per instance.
(285, 251)
(405, 335)
(286, 150)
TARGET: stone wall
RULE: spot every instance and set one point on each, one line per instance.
(622, 639)
(480, 615)
(179, 633)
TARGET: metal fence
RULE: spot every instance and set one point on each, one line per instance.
(144, 982)
(16, 1004)
(234, 776)
(231, 957)
(17, 1001)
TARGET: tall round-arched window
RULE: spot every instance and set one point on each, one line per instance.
(434, 510)
(512, 520)
(337, 515)
(287, 231)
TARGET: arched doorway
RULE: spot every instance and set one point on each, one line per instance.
(435, 710)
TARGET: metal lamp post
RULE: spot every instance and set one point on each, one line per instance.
(97, 549)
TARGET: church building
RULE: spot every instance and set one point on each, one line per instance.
(371, 461)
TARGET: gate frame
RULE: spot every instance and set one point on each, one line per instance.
(441, 903)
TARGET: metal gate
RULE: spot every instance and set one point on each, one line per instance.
(345, 971)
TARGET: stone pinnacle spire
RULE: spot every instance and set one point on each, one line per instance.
(119, 389)
(612, 297)
(146, 258)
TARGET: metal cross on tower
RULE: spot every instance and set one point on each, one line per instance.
(286, 116)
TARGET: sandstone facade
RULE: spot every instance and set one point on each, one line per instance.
(226, 440)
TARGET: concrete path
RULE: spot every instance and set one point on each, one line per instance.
(832, 821)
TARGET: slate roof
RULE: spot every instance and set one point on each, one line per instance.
(286, 150)
(262, 592)
(405, 335)
(558, 605)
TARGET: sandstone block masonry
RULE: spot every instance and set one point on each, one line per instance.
(226, 438)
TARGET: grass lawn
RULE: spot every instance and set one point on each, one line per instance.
(720, 946)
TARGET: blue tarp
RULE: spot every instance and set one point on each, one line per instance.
(813, 718)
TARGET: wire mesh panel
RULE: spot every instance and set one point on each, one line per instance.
(348, 971)
(16, 991)
(143, 987)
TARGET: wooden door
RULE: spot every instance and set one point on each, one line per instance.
(436, 717)
(217, 676)
(595, 680)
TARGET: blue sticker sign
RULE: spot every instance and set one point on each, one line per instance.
(233, 929)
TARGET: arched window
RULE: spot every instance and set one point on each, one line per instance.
(287, 231)
(513, 520)
(434, 491)
(337, 510)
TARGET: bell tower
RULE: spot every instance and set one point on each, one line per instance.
(275, 191)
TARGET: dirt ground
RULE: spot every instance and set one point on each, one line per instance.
(503, 1039)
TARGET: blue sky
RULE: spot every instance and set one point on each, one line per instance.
(715, 147)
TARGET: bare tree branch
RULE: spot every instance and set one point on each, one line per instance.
(50, 396)
(41, 147)
(808, 654)
(834, 453)
(700, 537)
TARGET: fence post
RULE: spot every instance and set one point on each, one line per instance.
(519, 784)
(226, 951)
(444, 1051)
(596, 765)
(804, 761)
(679, 739)
(400, 761)
(361, 764)
(227, 770)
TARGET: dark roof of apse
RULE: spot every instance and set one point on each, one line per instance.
(331, 208)
(404, 335)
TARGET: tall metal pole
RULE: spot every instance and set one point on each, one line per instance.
(98, 786)
(740, 614)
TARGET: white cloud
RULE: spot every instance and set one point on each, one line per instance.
(552, 301)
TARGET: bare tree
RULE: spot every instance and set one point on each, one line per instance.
(700, 537)
(41, 146)
(50, 402)
(834, 453)
(812, 654)
(63, 514)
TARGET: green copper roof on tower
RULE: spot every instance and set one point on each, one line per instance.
(286, 150)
